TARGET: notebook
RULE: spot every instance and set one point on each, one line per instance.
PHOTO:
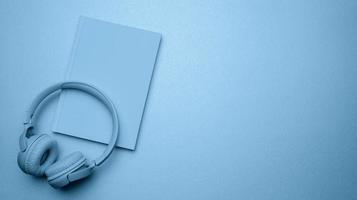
(119, 60)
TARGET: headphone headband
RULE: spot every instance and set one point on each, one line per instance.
(89, 89)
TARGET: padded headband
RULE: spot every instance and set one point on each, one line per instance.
(87, 89)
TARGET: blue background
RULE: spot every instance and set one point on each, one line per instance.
(249, 100)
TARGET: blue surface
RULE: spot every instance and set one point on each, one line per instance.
(120, 61)
(250, 99)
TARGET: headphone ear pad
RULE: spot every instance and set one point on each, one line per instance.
(41, 152)
(58, 172)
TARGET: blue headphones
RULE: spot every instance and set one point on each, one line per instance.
(38, 152)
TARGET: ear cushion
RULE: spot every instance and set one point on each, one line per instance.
(66, 165)
(41, 152)
(21, 156)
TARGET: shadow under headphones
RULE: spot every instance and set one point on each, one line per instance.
(39, 152)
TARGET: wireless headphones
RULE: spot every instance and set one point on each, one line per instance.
(39, 152)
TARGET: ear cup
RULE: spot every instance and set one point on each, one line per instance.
(40, 153)
(58, 172)
(22, 155)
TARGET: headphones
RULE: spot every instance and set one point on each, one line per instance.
(39, 152)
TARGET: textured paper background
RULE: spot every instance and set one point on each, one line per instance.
(249, 99)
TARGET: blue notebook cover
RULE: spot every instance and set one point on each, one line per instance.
(119, 60)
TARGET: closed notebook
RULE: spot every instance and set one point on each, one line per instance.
(119, 60)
